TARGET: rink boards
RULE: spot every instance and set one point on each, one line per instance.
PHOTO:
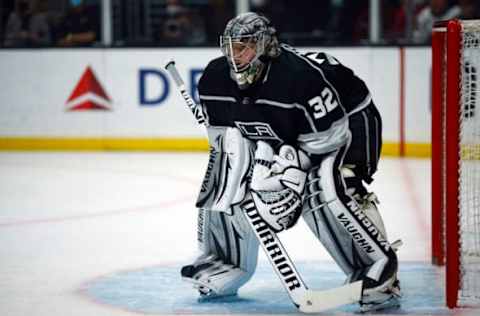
(123, 99)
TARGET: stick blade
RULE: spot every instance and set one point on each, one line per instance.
(318, 301)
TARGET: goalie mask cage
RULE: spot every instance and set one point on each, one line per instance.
(456, 158)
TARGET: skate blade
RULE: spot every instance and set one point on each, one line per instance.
(391, 303)
(215, 297)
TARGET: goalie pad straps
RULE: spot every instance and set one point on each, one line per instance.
(226, 178)
(277, 185)
(350, 236)
(367, 201)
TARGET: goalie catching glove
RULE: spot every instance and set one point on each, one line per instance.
(277, 184)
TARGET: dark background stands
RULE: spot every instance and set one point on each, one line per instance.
(70, 23)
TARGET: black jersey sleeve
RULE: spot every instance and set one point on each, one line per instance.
(352, 90)
(212, 89)
(213, 76)
(326, 128)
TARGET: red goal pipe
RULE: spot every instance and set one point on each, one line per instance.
(454, 45)
(446, 85)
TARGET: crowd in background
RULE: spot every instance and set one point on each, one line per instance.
(40, 23)
(346, 22)
(70, 23)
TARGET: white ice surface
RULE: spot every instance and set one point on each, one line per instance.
(67, 219)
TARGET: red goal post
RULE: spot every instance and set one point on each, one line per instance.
(456, 158)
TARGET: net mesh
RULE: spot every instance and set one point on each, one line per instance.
(469, 219)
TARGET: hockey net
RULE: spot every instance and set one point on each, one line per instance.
(456, 158)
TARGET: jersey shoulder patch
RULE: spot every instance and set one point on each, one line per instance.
(322, 58)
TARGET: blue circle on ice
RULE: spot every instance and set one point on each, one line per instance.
(159, 290)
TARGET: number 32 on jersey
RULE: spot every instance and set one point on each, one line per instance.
(323, 104)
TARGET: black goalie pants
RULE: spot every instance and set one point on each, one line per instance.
(365, 147)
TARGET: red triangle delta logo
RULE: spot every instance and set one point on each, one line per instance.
(88, 94)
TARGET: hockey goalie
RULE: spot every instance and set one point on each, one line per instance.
(291, 135)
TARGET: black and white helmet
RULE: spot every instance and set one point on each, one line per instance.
(248, 30)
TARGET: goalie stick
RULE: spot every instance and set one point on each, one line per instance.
(196, 110)
(306, 300)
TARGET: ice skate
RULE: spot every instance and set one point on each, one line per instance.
(385, 296)
(213, 278)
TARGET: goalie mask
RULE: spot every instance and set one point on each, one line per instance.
(248, 41)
